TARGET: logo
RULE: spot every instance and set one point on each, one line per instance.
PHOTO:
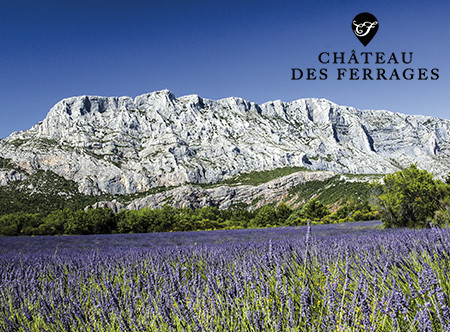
(360, 65)
(365, 26)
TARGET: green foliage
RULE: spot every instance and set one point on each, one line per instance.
(50, 204)
(237, 217)
(136, 221)
(6, 163)
(18, 142)
(265, 216)
(314, 210)
(58, 222)
(20, 223)
(442, 215)
(53, 223)
(354, 211)
(45, 143)
(43, 192)
(332, 190)
(127, 198)
(296, 219)
(101, 221)
(104, 221)
(257, 178)
(409, 198)
(268, 216)
(283, 212)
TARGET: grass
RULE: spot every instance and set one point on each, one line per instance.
(255, 178)
(331, 190)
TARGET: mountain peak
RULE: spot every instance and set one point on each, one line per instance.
(122, 145)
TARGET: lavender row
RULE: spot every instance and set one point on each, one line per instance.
(262, 280)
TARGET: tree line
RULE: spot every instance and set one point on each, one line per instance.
(407, 198)
(168, 218)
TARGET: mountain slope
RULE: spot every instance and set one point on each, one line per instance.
(122, 146)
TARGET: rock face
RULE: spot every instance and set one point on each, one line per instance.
(120, 145)
(7, 176)
(226, 196)
(113, 205)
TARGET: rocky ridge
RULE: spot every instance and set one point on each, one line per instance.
(222, 197)
(120, 145)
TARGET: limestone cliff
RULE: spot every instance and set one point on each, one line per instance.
(120, 145)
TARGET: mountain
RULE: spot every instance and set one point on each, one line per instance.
(120, 145)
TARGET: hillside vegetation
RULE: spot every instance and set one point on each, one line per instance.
(45, 204)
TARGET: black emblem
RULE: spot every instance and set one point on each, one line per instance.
(365, 26)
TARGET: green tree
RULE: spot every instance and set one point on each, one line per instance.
(19, 223)
(265, 216)
(101, 221)
(10, 224)
(296, 218)
(135, 221)
(442, 215)
(409, 198)
(283, 212)
(166, 219)
(208, 212)
(315, 210)
(343, 212)
(123, 225)
(76, 223)
(187, 220)
(237, 217)
(53, 223)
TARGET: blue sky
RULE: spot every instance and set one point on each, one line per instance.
(56, 49)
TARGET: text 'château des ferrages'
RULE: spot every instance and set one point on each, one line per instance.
(383, 67)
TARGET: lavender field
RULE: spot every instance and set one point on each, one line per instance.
(340, 277)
